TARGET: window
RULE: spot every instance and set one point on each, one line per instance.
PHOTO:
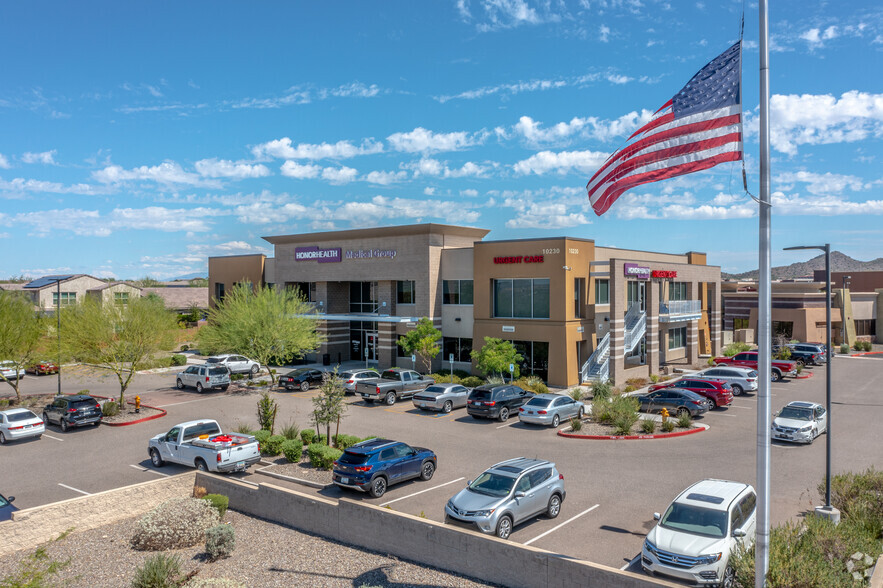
(677, 338)
(677, 291)
(461, 347)
(457, 292)
(405, 292)
(602, 291)
(740, 323)
(865, 327)
(120, 298)
(521, 298)
(219, 291)
(67, 298)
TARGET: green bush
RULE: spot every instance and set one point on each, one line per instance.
(308, 436)
(344, 442)
(176, 523)
(110, 409)
(273, 446)
(293, 450)
(685, 421)
(668, 425)
(291, 431)
(648, 426)
(178, 359)
(219, 501)
(734, 348)
(601, 390)
(323, 457)
(576, 424)
(220, 541)
(158, 571)
(471, 381)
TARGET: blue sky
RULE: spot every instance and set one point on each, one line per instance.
(140, 138)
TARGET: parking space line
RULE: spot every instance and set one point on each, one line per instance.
(144, 469)
(74, 489)
(631, 563)
(51, 437)
(570, 520)
(422, 491)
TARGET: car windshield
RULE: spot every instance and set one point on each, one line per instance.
(492, 484)
(695, 520)
(21, 416)
(539, 402)
(796, 413)
(391, 375)
(217, 371)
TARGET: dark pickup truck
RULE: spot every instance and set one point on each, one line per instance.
(392, 385)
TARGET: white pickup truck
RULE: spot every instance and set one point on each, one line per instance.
(201, 444)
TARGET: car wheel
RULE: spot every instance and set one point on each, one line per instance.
(504, 527)
(378, 487)
(64, 425)
(554, 506)
(427, 471)
(729, 580)
(448, 406)
(179, 384)
(199, 387)
(155, 459)
(737, 389)
(2, 438)
(555, 420)
(682, 411)
(776, 375)
(504, 415)
(304, 386)
(390, 398)
(255, 369)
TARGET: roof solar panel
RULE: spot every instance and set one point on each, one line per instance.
(46, 280)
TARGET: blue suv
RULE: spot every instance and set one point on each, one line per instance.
(374, 465)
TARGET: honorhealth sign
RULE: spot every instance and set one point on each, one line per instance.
(633, 270)
(316, 254)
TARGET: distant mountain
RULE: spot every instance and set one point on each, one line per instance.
(840, 262)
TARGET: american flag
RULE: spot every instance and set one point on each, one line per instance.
(700, 127)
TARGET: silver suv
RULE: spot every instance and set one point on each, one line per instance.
(507, 494)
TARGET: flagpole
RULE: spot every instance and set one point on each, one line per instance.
(764, 336)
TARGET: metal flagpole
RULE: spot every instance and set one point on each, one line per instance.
(764, 336)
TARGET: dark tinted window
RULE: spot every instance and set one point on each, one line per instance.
(353, 458)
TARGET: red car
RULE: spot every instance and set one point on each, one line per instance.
(718, 392)
(42, 368)
(779, 369)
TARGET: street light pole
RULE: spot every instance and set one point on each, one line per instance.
(826, 511)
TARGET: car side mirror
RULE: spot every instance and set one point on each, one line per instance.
(738, 533)
(520, 495)
(656, 516)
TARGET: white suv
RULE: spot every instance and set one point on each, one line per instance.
(700, 529)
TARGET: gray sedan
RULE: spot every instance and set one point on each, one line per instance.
(550, 409)
(443, 397)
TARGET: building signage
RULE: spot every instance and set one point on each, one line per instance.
(633, 270)
(520, 259)
(315, 254)
(664, 274)
(371, 254)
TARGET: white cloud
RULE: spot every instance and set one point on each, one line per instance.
(339, 175)
(46, 157)
(282, 149)
(604, 34)
(421, 140)
(385, 178)
(222, 168)
(4, 163)
(826, 183)
(293, 169)
(564, 162)
(168, 172)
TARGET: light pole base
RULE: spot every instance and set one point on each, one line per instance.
(828, 512)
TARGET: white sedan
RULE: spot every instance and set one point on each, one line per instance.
(9, 371)
(800, 422)
(19, 423)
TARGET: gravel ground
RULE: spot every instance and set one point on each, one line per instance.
(266, 555)
(303, 470)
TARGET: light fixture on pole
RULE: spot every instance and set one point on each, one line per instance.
(826, 511)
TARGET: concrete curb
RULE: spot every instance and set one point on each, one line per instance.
(161, 414)
(300, 481)
(699, 429)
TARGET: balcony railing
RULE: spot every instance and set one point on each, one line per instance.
(680, 310)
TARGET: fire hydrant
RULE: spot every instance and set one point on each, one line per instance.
(137, 404)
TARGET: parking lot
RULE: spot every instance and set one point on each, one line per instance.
(613, 487)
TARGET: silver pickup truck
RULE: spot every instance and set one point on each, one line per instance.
(201, 444)
(392, 385)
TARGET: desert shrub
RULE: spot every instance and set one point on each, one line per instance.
(262, 436)
(178, 359)
(648, 426)
(293, 450)
(273, 446)
(654, 378)
(307, 436)
(470, 381)
(158, 571)
(668, 425)
(176, 523)
(219, 501)
(344, 442)
(110, 409)
(601, 390)
(576, 424)
(322, 456)
(685, 421)
(290, 431)
(734, 348)
(220, 541)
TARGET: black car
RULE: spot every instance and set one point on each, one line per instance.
(496, 402)
(6, 508)
(676, 402)
(301, 378)
(73, 411)
(374, 465)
